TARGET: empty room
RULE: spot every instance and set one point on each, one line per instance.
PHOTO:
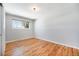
(41, 29)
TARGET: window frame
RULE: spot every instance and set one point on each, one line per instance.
(19, 27)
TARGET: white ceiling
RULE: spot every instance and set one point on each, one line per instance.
(45, 9)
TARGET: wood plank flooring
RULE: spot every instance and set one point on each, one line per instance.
(37, 47)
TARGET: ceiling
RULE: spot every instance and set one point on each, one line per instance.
(44, 9)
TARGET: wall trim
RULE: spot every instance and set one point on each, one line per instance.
(20, 39)
(44, 40)
(57, 42)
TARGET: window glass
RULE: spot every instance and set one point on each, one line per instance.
(17, 24)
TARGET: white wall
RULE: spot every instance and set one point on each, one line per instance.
(17, 34)
(61, 25)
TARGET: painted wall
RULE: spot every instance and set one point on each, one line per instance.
(17, 34)
(62, 26)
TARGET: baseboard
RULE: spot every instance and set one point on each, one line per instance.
(57, 42)
(44, 40)
(20, 39)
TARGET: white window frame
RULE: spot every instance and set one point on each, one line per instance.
(19, 27)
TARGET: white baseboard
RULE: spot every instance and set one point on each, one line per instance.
(57, 42)
(20, 39)
(45, 40)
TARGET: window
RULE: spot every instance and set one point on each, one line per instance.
(18, 24)
(26, 24)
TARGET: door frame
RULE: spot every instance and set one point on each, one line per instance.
(3, 30)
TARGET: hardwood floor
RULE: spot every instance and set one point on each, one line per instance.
(37, 47)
